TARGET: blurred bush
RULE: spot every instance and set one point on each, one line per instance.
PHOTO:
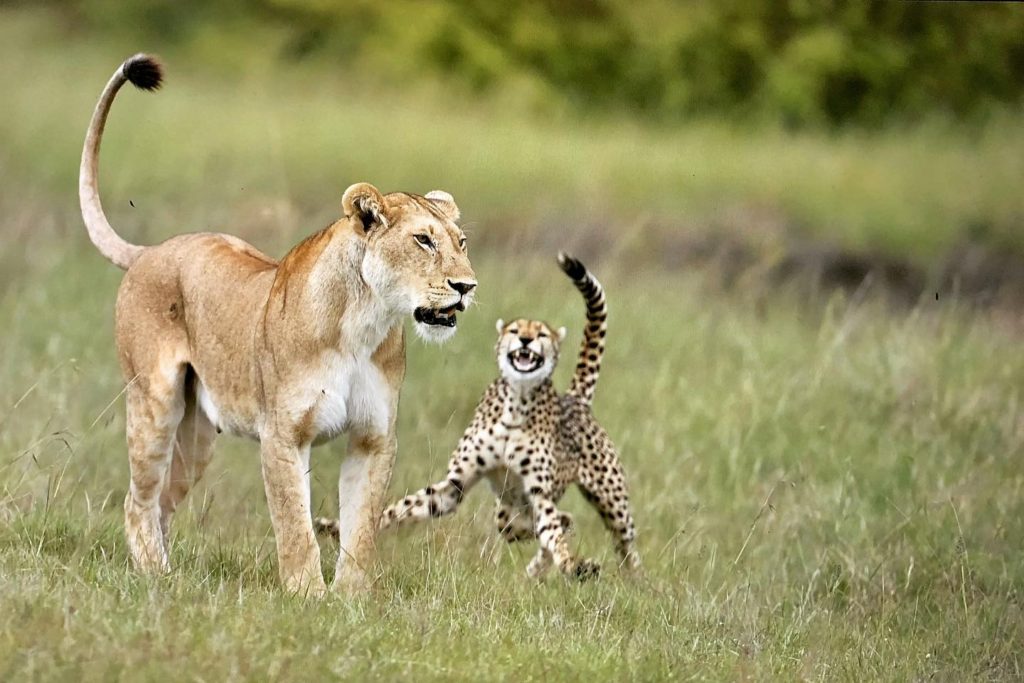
(800, 63)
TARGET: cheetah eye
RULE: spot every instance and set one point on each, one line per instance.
(424, 241)
(513, 330)
(542, 334)
(462, 243)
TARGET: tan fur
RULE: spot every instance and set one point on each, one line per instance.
(212, 334)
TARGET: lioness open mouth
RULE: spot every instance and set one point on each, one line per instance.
(525, 360)
(442, 317)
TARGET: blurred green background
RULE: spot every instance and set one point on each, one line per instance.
(794, 62)
(828, 484)
(778, 133)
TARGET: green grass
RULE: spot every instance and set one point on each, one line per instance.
(819, 496)
(822, 492)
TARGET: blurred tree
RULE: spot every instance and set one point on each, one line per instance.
(796, 62)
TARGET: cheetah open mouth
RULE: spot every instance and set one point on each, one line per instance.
(525, 360)
(442, 317)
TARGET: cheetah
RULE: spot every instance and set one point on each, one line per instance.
(531, 443)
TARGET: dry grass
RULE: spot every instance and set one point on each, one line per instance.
(822, 493)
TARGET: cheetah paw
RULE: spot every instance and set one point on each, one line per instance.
(388, 519)
(586, 570)
(325, 526)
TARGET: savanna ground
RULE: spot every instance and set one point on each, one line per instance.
(825, 489)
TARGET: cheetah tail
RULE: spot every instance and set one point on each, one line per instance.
(588, 367)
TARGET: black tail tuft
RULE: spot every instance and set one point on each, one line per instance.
(571, 266)
(144, 72)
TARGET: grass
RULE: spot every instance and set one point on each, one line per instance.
(819, 496)
(822, 492)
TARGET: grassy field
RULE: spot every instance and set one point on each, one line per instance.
(822, 492)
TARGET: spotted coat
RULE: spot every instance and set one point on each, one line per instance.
(531, 444)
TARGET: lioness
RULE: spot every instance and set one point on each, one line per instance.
(212, 334)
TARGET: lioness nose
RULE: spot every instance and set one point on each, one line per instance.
(462, 287)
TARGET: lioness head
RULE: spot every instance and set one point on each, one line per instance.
(415, 257)
(527, 349)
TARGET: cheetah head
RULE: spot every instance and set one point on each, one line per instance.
(527, 349)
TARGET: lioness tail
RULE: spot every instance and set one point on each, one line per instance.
(588, 367)
(145, 73)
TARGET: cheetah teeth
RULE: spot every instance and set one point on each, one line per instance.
(525, 360)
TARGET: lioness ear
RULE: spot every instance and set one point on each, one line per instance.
(561, 334)
(364, 202)
(445, 202)
(499, 326)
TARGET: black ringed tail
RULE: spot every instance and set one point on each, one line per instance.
(588, 365)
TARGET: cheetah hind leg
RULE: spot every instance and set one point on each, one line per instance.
(617, 516)
(515, 523)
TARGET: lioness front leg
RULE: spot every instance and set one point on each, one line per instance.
(285, 478)
(362, 485)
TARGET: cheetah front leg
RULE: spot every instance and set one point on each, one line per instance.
(540, 564)
(553, 536)
(442, 498)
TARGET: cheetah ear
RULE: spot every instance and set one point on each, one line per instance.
(365, 203)
(445, 202)
(561, 334)
(499, 326)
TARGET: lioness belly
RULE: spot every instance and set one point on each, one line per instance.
(226, 416)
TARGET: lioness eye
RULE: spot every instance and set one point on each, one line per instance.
(462, 242)
(425, 241)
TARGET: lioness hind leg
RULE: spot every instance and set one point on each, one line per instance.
(155, 406)
(193, 449)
